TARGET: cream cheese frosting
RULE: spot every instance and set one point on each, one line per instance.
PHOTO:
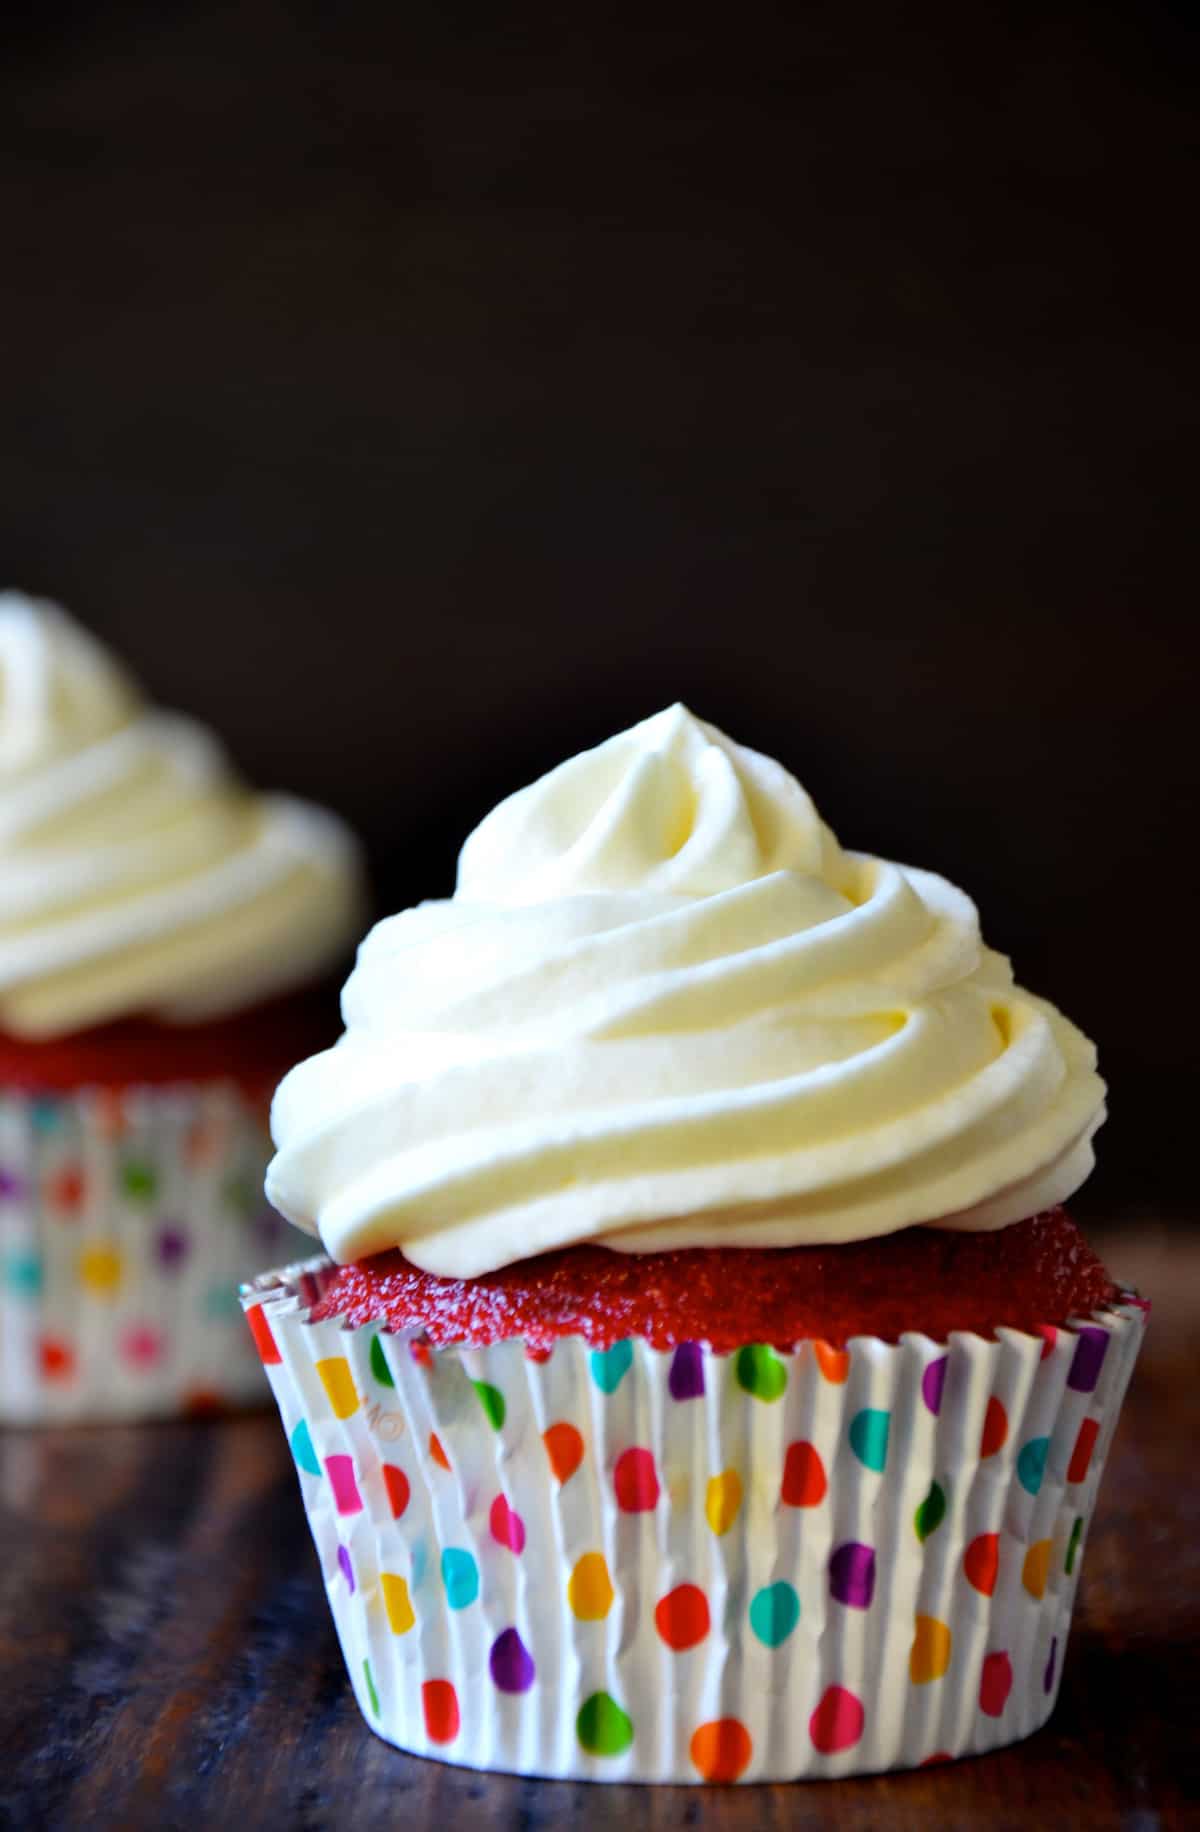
(137, 875)
(664, 1008)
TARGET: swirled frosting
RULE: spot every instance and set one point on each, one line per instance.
(665, 1008)
(137, 875)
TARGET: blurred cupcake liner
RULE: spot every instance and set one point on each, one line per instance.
(127, 1219)
(683, 1566)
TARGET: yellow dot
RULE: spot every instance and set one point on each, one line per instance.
(100, 1268)
(396, 1602)
(723, 1499)
(339, 1385)
(589, 1588)
(1036, 1569)
(930, 1654)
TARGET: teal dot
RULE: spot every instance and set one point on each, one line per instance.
(869, 1436)
(379, 1366)
(371, 1692)
(139, 1180)
(602, 1727)
(931, 1513)
(774, 1613)
(1031, 1464)
(23, 1273)
(759, 1372)
(46, 1115)
(492, 1401)
(460, 1575)
(609, 1368)
(303, 1451)
(1073, 1547)
(221, 1301)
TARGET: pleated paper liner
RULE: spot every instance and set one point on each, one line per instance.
(127, 1220)
(683, 1566)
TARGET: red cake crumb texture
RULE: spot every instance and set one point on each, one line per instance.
(1037, 1272)
(253, 1048)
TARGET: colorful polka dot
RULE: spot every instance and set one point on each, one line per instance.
(1090, 1349)
(995, 1428)
(1085, 1444)
(100, 1269)
(397, 1489)
(460, 1577)
(995, 1684)
(439, 1705)
(610, 1366)
(492, 1401)
(833, 1363)
(142, 1346)
(804, 1480)
(46, 1114)
(774, 1613)
(139, 1180)
(1073, 1546)
(721, 1750)
(869, 1430)
(564, 1447)
(510, 1663)
(852, 1574)
(837, 1723)
(302, 1447)
(56, 1358)
(722, 1500)
(1035, 1571)
(507, 1527)
(931, 1513)
(589, 1588)
(1031, 1464)
(264, 1341)
(933, 1383)
(345, 1567)
(342, 1481)
(437, 1452)
(396, 1602)
(65, 1189)
(602, 1728)
(338, 1383)
(635, 1481)
(686, 1378)
(369, 1681)
(760, 1373)
(23, 1273)
(981, 1563)
(379, 1364)
(682, 1618)
(929, 1656)
(173, 1246)
(12, 1186)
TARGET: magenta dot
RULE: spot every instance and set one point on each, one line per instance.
(347, 1568)
(511, 1663)
(11, 1185)
(508, 1529)
(852, 1574)
(1090, 1351)
(142, 1345)
(933, 1382)
(686, 1379)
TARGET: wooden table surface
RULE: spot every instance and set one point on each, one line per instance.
(168, 1659)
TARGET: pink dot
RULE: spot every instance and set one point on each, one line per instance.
(346, 1498)
(508, 1529)
(142, 1346)
(837, 1722)
(635, 1480)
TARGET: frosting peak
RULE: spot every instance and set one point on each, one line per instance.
(664, 1008)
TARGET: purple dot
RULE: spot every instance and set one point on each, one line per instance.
(172, 1246)
(347, 1567)
(1048, 1675)
(852, 1574)
(1090, 1351)
(511, 1663)
(686, 1379)
(11, 1185)
(933, 1381)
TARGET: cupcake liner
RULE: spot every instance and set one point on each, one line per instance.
(127, 1218)
(684, 1566)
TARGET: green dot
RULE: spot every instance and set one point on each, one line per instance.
(774, 1613)
(1073, 1547)
(492, 1401)
(602, 1727)
(759, 1372)
(931, 1513)
(23, 1273)
(371, 1692)
(379, 1366)
(869, 1436)
(139, 1180)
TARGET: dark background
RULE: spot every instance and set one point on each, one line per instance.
(420, 400)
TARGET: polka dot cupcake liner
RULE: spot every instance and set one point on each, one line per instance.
(127, 1219)
(690, 1567)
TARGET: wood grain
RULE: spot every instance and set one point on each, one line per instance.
(167, 1658)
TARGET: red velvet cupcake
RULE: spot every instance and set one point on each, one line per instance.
(706, 1382)
(164, 938)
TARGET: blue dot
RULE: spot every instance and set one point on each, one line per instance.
(302, 1449)
(1031, 1464)
(610, 1366)
(460, 1575)
(774, 1613)
(869, 1436)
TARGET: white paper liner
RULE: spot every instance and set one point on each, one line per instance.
(851, 1610)
(127, 1219)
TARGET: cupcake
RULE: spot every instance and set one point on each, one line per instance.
(702, 1380)
(166, 942)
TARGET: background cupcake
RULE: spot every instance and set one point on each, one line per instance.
(164, 936)
(748, 1474)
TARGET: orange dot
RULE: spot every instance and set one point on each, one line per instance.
(1081, 1456)
(833, 1363)
(1035, 1572)
(66, 1188)
(981, 1562)
(804, 1479)
(995, 1428)
(564, 1447)
(681, 1617)
(264, 1339)
(57, 1358)
(721, 1749)
(398, 1489)
(930, 1653)
(436, 1452)
(439, 1702)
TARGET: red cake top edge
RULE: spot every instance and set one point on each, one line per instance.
(1036, 1273)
